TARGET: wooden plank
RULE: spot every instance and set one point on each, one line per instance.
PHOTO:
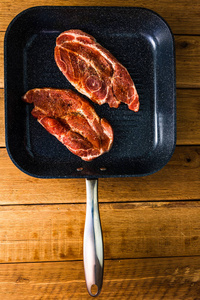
(179, 179)
(1, 58)
(188, 117)
(182, 17)
(166, 278)
(131, 230)
(187, 61)
(2, 119)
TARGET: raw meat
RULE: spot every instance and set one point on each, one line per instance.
(72, 120)
(94, 71)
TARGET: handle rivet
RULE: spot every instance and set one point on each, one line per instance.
(103, 169)
(79, 169)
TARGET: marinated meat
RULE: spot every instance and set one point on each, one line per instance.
(94, 71)
(72, 120)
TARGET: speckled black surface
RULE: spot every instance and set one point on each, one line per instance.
(141, 41)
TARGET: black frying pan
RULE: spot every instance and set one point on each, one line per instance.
(143, 142)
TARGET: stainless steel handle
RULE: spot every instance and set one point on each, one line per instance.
(93, 241)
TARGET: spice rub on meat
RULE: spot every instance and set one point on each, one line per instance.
(94, 71)
(72, 120)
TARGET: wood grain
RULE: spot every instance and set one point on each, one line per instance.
(2, 119)
(188, 117)
(151, 225)
(182, 17)
(187, 61)
(131, 230)
(179, 179)
(141, 279)
(1, 58)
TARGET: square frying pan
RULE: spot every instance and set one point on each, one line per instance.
(143, 142)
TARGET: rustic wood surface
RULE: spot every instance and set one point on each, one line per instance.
(160, 278)
(151, 225)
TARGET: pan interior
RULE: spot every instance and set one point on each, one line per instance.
(143, 142)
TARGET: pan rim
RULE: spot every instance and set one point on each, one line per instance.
(79, 175)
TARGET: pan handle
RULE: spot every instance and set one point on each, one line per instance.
(93, 241)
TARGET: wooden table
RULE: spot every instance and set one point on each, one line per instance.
(151, 225)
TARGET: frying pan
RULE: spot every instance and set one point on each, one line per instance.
(143, 142)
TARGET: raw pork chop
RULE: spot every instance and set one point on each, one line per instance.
(72, 120)
(94, 71)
